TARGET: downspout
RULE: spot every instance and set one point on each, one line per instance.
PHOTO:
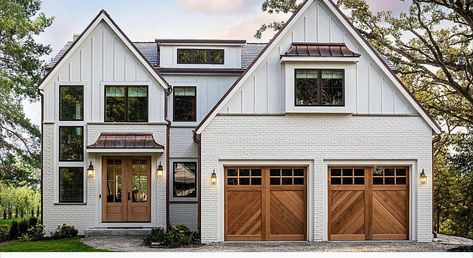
(434, 226)
(41, 153)
(196, 138)
(168, 135)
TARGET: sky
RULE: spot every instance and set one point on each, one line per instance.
(146, 20)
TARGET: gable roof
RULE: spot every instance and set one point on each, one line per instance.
(353, 31)
(105, 17)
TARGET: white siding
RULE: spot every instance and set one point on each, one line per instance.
(168, 56)
(261, 94)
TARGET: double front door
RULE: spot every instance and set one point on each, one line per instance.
(126, 189)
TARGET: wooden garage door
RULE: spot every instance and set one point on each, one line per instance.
(367, 203)
(265, 204)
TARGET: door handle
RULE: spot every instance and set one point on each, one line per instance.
(129, 196)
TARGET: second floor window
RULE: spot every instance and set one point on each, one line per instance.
(184, 104)
(317, 87)
(200, 56)
(71, 103)
(126, 104)
(71, 143)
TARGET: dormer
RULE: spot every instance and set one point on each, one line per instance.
(203, 53)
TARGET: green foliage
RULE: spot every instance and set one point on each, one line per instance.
(33, 221)
(276, 7)
(23, 227)
(22, 199)
(175, 237)
(62, 245)
(36, 232)
(14, 230)
(24, 237)
(4, 232)
(64, 231)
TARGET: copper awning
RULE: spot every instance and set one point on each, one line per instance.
(319, 50)
(126, 141)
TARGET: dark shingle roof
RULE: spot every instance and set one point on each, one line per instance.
(249, 52)
(320, 50)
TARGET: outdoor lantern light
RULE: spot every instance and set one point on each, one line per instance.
(90, 171)
(213, 178)
(160, 172)
(423, 177)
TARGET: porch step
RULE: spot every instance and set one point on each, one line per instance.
(108, 231)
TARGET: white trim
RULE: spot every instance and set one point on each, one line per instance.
(319, 59)
(104, 151)
(103, 17)
(197, 44)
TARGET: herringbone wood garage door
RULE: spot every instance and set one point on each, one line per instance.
(265, 204)
(367, 203)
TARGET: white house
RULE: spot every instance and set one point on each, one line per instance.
(310, 137)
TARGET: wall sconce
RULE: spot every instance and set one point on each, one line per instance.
(423, 177)
(159, 172)
(213, 178)
(90, 171)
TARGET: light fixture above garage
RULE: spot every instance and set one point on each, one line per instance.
(159, 172)
(423, 177)
(90, 171)
(213, 178)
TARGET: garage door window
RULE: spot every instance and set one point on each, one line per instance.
(347, 176)
(389, 176)
(244, 176)
(286, 176)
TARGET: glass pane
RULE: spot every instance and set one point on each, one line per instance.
(336, 172)
(232, 181)
(298, 172)
(306, 88)
(401, 181)
(244, 172)
(389, 180)
(244, 181)
(388, 172)
(287, 172)
(332, 88)
(287, 181)
(184, 104)
(115, 104)
(232, 172)
(378, 181)
(71, 103)
(256, 172)
(347, 172)
(185, 179)
(71, 184)
(377, 171)
(137, 104)
(200, 56)
(217, 56)
(401, 172)
(359, 172)
(299, 181)
(274, 181)
(184, 56)
(256, 181)
(139, 180)
(274, 172)
(71, 143)
(347, 181)
(335, 181)
(359, 180)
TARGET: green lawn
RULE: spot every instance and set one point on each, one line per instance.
(61, 245)
(6, 222)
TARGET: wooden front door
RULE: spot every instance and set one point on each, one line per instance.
(367, 203)
(126, 189)
(265, 204)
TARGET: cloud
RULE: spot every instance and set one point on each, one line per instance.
(391, 5)
(219, 6)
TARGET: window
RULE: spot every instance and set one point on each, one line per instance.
(185, 179)
(244, 176)
(71, 184)
(126, 104)
(200, 56)
(71, 143)
(184, 104)
(71, 103)
(319, 87)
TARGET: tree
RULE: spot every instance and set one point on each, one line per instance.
(20, 71)
(276, 6)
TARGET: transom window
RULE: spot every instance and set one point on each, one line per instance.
(71, 103)
(390, 176)
(286, 176)
(200, 56)
(71, 143)
(185, 179)
(71, 184)
(347, 176)
(126, 104)
(319, 87)
(184, 103)
(244, 176)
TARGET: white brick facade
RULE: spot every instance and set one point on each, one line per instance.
(319, 140)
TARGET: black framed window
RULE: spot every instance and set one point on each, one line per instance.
(185, 179)
(71, 103)
(184, 104)
(200, 56)
(126, 104)
(71, 184)
(71, 143)
(319, 87)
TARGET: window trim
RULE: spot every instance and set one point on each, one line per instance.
(208, 50)
(126, 86)
(195, 179)
(59, 186)
(59, 143)
(319, 86)
(174, 105)
(60, 102)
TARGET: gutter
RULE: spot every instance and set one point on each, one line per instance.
(196, 138)
(168, 135)
(41, 152)
(434, 228)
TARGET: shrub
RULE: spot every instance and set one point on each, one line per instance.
(24, 238)
(177, 236)
(33, 221)
(14, 230)
(64, 231)
(36, 232)
(23, 227)
(4, 232)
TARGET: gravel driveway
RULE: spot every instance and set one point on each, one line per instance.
(133, 244)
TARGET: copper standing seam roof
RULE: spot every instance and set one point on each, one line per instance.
(125, 141)
(319, 50)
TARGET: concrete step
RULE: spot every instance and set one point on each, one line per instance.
(109, 231)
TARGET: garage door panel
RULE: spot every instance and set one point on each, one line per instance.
(347, 215)
(244, 214)
(287, 213)
(390, 214)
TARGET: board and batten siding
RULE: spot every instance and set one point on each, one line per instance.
(263, 93)
(168, 56)
(102, 59)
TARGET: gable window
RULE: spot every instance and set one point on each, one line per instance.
(184, 179)
(200, 56)
(184, 103)
(71, 184)
(71, 103)
(71, 143)
(126, 104)
(318, 87)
